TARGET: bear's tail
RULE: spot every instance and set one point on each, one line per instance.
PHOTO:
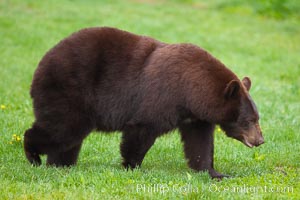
(30, 150)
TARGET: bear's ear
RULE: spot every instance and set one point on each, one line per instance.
(247, 82)
(232, 89)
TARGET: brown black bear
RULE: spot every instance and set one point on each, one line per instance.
(112, 80)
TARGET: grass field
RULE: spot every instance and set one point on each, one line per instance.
(259, 39)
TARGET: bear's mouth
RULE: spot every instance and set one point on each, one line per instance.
(247, 143)
(248, 140)
(241, 138)
(251, 142)
(244, 139)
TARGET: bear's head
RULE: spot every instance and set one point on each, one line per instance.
(242, 116)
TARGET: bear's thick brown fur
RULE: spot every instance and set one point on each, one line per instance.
(113, 80)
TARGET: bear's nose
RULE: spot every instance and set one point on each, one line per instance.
(260, 141)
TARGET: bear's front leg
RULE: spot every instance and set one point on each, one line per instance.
(198, 140)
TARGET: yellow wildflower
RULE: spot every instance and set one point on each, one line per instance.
(15, 139)
(2, 107)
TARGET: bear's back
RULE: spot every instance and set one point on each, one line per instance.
(95, 70)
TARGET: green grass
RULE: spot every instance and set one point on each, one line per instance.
(260, 40)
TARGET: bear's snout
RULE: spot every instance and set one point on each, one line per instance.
(259, 137)
(260, 141)
(253, 140)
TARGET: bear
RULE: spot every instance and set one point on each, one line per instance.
(106, 79)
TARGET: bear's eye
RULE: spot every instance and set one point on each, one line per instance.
(245, 123)
(253, 121)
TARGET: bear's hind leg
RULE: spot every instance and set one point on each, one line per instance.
(67, 142)
(136, 141)
(65, 158)
(59, 139)
(198, 140)
(32, 138)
